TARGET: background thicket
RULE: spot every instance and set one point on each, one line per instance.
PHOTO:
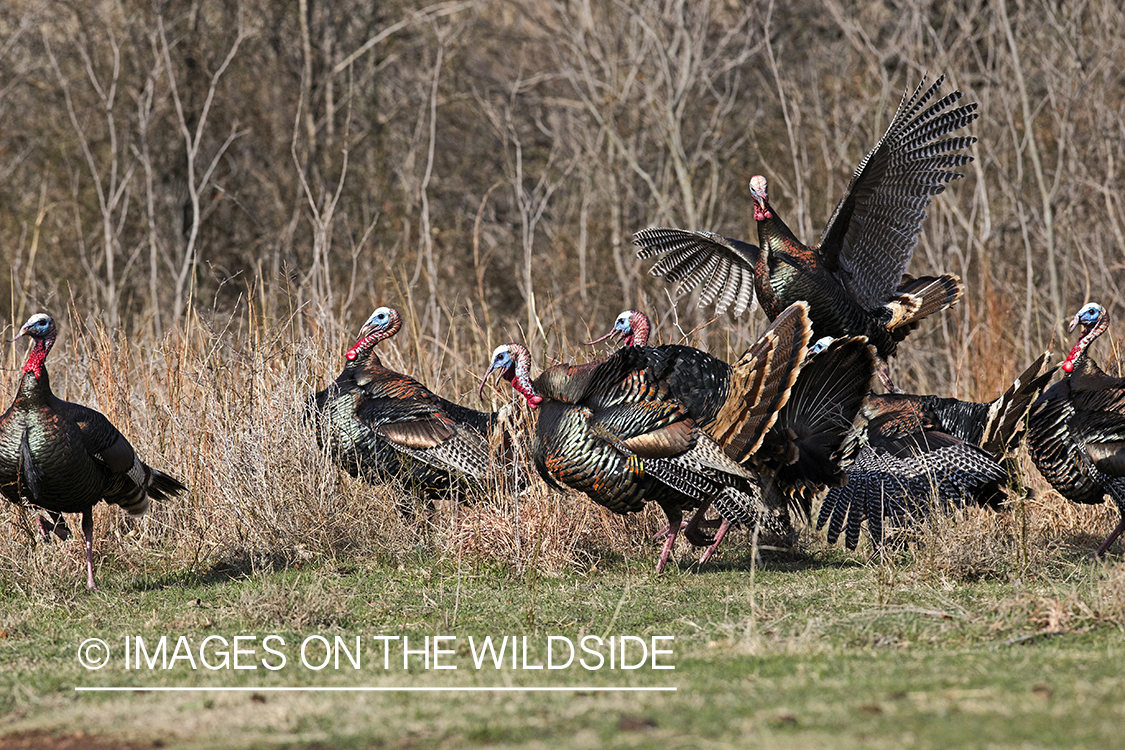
(490, 160)
(213, 195)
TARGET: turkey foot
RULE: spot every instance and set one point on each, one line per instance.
(697, 522)
(724, 525)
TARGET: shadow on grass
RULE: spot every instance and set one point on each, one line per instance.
(1080, 546)
(786, 561)
(230, 570)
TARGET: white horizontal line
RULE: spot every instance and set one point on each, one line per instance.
(364, 689)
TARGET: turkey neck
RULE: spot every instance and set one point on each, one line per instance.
(1078, 362)
(783, 258)
(364, 366)
(35, 383)
(37, 357)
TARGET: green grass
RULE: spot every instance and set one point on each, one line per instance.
(815, 650)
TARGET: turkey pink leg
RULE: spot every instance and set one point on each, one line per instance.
(675, 519)
(1111, 538)
(722, 532)
(663, 533)
(697, 540)
(88, 531)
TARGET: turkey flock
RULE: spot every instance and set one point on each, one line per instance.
(753, 443)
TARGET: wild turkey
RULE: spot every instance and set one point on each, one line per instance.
(645, 424)
(386, 427)
(800, 452)
(64, 457)
(853, 278)
(915, 451)
(1076, 431)
(632, 327)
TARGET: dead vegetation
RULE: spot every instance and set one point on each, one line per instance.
(211, 198)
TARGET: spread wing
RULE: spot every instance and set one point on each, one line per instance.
(871, 235)
(723, 268)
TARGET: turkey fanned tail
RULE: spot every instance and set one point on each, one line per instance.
(902, 489)
(920, 452)
(804, 450)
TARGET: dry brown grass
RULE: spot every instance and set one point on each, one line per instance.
(223, 409)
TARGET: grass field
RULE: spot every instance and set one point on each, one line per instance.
(991, 629)
(210, 198)
(933, 648)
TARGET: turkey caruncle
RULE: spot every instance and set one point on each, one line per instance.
(803, 450)
(854, 277)
(64, 457)
(1076, 430)
(917, 452)
(386, 427)
(661, 424)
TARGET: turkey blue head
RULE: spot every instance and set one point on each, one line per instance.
(1088, 316)
(382, 324)
(513, 362)
(42, 330)
(632, 326)
(1093, 320)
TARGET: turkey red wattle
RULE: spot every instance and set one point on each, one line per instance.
(41, 328)
(37, 356)
(518, 374)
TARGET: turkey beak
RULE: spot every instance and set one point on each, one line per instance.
(1073, 324)
(367, 330)
(22, 332)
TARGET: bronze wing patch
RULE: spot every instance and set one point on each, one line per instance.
(419, 435)
(664, 442)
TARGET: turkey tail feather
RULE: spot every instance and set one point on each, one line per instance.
(1007, 415)
(161, 486)
(919, 298)
(756, 395)
(824, 402)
